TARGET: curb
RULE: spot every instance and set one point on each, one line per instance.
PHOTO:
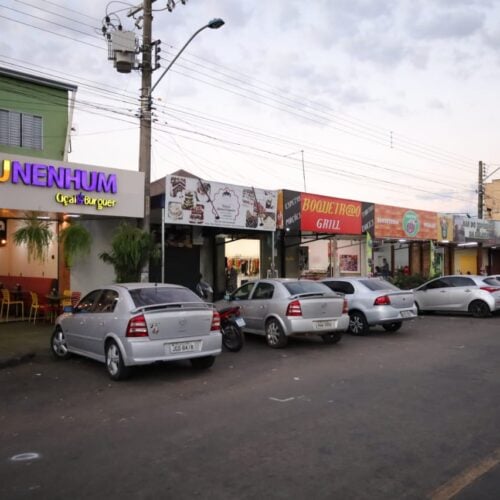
(16, 360)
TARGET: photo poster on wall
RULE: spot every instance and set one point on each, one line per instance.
(193, 201)
(348, 263)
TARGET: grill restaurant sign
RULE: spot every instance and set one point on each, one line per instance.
(44, 185)
(193, 201)
(322, 214)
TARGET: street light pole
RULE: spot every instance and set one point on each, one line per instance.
(145, 113)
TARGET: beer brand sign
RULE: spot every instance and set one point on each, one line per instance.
(322, 214)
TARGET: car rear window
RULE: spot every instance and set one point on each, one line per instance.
(152, 296)
(298, 287)
(376, 284)
(492, 281)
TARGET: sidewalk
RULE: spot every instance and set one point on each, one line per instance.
(20, 341)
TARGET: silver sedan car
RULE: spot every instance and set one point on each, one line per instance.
(123, 325)
(281, 308)
(477, 295)
(374, 301)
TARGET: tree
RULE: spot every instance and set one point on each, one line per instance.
(76, 240)
(131, 249)
(36, 234)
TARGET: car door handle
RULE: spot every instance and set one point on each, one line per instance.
(468, 291)
(262, 307)
(101, 323)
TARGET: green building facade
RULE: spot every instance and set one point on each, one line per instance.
(35, 115)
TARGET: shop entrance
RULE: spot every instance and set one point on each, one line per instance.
(242, 259)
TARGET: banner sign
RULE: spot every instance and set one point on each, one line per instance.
(368, 218)
(396, 222)
(193, 201)
(468, 229)
(445, 227)
(291, 211)
(322, 214)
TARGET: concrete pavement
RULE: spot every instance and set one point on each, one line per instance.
(20, 341)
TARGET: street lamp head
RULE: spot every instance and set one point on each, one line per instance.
(216, 23)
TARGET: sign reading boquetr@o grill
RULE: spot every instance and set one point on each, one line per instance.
(194, 201)
(322, 214)
(397, 222)
(52, 186)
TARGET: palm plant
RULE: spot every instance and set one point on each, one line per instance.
(36, 234)
(76, 240)
(131, 249)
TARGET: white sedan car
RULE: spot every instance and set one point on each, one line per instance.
(477, 295)
(123, 325)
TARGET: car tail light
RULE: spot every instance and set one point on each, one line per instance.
(137, 327)
(383, 300)
(294, 309)
(490, 289)
(215, 321)
(345, 307)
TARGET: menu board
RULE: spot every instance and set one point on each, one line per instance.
(193, 201)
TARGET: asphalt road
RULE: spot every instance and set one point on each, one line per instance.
(407, 415)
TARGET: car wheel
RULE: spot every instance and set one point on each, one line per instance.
(357, 323)
(275, 336)
(479, 309)
(202, 363)
(392, 327)
(58, 344)
(331, 338)
(114, 362)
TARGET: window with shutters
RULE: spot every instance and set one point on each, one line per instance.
(20, 129)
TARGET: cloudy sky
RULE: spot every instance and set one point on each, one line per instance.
(390, 101)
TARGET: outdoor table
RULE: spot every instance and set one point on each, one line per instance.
(54, 301)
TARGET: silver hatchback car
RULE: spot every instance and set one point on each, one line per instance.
(374, 301)
(281, 308)
(131, 324)
(477, 295)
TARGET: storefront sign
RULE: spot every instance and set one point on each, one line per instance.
(194, 201)
(42, 185)
(368, 218)
(444, 227)
(291, 211)
(467, 229)
(396, 222)
(322, 214)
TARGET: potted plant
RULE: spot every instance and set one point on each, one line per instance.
(36, 234)
(131, 249)
(76, 240)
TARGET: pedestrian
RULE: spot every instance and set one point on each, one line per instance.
(385, 268)
(203, 289)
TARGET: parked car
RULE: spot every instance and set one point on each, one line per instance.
(374, 301)
(131, 324)
(282, 308)
(477, 295)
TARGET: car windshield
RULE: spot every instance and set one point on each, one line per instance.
(162, 295)
(376, 284)
(300, 287)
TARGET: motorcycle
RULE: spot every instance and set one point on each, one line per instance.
(231, 327)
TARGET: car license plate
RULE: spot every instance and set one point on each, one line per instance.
(407, 314)
(185, 347)
(240, 322)
(321, 325)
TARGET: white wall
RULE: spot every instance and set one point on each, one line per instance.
(14, 259)
(90, 271)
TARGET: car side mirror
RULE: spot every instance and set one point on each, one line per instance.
(228, 296)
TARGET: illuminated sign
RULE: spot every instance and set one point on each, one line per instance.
(81, 199)
(40, 175)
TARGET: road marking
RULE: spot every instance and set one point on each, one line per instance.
(282, 400)
(25, 457)
(456, 484)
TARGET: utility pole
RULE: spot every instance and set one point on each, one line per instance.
(145, 113)
(480, 191)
